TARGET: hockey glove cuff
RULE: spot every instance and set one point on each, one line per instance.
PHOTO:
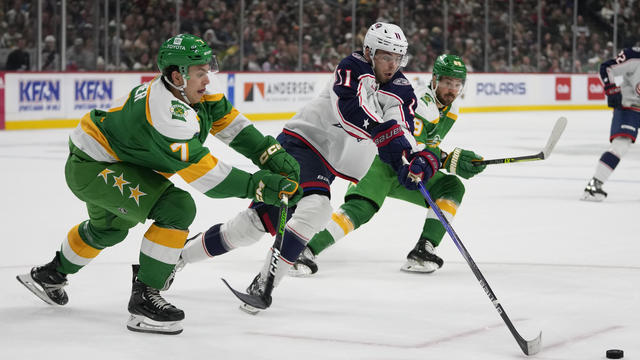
(422, 165)
(614, 96)
(392, 145)
(460, 162)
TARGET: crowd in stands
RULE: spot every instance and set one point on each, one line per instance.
(270, 38)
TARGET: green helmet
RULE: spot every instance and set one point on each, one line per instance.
(450, 65)
(185, 50)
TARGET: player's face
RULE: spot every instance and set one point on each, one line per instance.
(448, 89)
(386, 65)
(198, 80)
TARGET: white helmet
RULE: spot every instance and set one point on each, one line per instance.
(388, 37)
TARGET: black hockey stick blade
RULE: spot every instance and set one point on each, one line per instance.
(557, 131)
(256, 301)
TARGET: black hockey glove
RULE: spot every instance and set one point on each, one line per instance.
(422, 165)
(614, 96)
(392, 145)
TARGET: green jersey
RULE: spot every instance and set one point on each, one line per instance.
(431, 123)
(154, 129)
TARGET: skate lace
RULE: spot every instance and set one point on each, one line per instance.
(157, 300)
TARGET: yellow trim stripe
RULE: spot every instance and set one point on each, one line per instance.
(212, 97)
(343, 221)
(221, 124)
(78, 245)
(147, 109)
(452, 116)
(171, 238)
(195, 171)
(68, 123)
(447, 206)
(92, 130)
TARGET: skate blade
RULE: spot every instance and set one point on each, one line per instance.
(141, 323)
(416, 267)
(32, 285)
(595, 198)
(249, 309)
(299, 270)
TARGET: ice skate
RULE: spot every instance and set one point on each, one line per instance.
(256, 288)
(150, 312)
(422, 258)
(46, 282)
(305, 265)
(593, 191)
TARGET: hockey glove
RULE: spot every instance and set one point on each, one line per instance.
(392, 145)
(422, 165)
(460, 162)
(614, 96)
(268, 187)
(274, 158)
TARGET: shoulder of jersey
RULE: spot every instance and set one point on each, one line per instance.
(356, 62)
(400, 86)
(170, 116)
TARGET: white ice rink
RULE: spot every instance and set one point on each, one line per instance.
(568, 268)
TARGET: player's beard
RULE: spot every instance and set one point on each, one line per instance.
(447, 98)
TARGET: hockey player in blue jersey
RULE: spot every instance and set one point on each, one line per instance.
(367, 109)
(621, 78)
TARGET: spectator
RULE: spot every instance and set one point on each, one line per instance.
(50, 56)
(18, 59)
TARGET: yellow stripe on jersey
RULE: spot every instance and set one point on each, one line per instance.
(452, 116)
(211, 97)
(76, 250)
(219, 125)
(147, 109)
(197, 170)
(92, 130)
(343, 221)
(171, 238)
(448, 206)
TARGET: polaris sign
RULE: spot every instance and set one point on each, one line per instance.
(501, 88)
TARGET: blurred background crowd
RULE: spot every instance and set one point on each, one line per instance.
(313, 35)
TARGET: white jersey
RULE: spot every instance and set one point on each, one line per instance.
(336, 125)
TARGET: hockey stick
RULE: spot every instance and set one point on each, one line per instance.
(264, 301)
(558, 128)
(529, 347)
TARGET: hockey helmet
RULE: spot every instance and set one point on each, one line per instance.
(185, 50)
(387, 37)
(450, 65)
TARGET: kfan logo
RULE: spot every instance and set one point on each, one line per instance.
(91, 94)
(39, 91)
(563, 88)
(595, 90)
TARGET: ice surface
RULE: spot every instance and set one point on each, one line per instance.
(558, 265)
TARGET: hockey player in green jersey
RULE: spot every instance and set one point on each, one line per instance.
(119, 163)
(436, 113)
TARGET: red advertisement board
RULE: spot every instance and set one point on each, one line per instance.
(595, 90)
(563, 88)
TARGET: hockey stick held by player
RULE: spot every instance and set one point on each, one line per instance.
(436, 113)
(116, 165)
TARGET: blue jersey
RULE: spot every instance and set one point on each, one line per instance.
(337, 124)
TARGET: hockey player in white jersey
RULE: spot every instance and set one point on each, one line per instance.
(621, 78)
(367, 109)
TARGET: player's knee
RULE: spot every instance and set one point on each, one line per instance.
(454, 188)
(243, 230)
(311, 215)
(620, 145)
(102, 237)
(175, 209)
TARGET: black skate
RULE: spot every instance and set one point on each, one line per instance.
(422, 258)
(256, 289)
(593, 191)
(46, 282)
(150, 312)
(305, 265)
